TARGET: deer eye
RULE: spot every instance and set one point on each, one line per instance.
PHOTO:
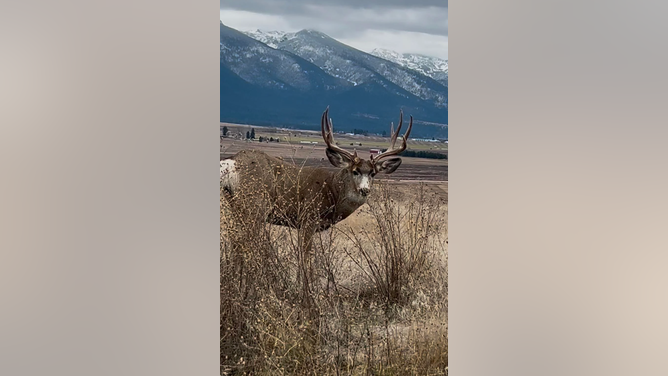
(372, 174)
(355, 172)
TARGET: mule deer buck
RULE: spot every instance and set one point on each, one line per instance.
(309, 196)
(309, 199)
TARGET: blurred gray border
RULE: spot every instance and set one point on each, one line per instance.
(108, 204)
(557, 193)
(109, 213)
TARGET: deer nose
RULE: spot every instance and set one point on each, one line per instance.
(364, 191)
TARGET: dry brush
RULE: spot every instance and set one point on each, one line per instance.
(375, 301)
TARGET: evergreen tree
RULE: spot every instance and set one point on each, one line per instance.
(225, 130)
(252, 134)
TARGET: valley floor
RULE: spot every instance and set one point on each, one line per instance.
(291, 149)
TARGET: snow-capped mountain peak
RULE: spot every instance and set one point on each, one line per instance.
(270, 38)
(313, 32)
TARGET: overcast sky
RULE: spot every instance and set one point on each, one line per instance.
(406, 26)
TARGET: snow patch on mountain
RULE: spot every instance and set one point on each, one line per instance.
(433, 67)
(270, 38)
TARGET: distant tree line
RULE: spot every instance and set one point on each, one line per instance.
(363, 132)
(423, 154)
(250, 135)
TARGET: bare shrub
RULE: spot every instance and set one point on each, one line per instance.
(268, 316)
(391, 254)
(403, 248)
(249, 266)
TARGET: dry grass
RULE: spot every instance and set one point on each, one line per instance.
(377, 303)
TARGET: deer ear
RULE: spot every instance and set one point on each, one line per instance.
(337, 159)
(388, 166)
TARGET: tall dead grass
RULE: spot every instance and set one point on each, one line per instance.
(377, 286)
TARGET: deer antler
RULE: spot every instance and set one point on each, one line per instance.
(393, 139)
(327, 135)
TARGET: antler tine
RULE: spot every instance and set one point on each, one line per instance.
(396, 134)
(393, 140)
(328, 134)
(326, 127)
(330, 126)
(323, 122)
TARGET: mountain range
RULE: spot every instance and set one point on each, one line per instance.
(288, 79)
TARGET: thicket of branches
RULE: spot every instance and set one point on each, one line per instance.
(377, 298)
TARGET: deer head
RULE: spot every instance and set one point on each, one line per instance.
(356, 172)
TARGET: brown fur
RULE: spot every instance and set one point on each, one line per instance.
(307, 197)
(297, 196)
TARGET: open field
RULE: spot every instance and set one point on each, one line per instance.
(295, 136)
(413, 169)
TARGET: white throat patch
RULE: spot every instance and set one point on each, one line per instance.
(364, 181)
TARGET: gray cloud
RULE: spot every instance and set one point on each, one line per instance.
(419, 26)
(424, 16)
(291, 5)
